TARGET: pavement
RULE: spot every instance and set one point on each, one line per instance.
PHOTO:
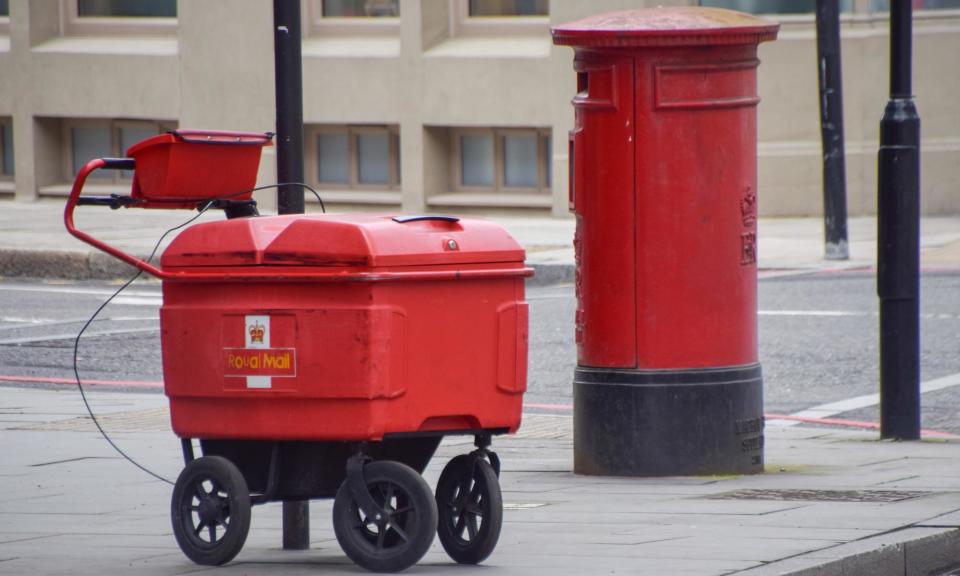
(831, 502)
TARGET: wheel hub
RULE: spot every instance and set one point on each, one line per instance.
(209, 510)
(381, 521)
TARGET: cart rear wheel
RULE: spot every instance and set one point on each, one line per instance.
(210, 510)
(471, 509)
(407, 532)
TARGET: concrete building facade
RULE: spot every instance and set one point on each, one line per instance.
(428, 105)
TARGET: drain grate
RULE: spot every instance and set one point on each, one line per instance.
(821, 495)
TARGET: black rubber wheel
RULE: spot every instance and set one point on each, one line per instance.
(210, 510)
(410, 525)
(470, 508)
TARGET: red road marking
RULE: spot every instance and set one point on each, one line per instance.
(851, 424)
(73, 382)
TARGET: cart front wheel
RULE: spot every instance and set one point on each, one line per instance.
(210, 510)
(402, 538)
(471, 509)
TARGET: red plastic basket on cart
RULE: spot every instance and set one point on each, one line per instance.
(181, 168)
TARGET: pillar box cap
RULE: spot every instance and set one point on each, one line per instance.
(665, 26)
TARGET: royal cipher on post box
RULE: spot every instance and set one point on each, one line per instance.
(663, 182)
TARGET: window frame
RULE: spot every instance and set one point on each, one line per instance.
(312, 160)
(320, 25)
(115, 126)
(544, 185)
(462, 24)
(72, 24)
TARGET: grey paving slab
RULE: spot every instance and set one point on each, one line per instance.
(11, 538)
(873, 518)
(909, 552)
(951, 518)
(930, 554)
(931, 481)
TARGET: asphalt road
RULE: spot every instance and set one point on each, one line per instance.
(818, 340)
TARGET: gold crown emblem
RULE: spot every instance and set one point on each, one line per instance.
(256, 333)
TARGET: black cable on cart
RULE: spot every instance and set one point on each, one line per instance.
(93, 317)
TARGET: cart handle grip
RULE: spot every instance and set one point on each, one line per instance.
(118, 163)
(114, 164)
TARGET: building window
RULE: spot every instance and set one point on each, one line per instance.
(498, 17)
(353, 17)
(507, 159)
(884, 5)
(360, 8)
(6, 148)
(499, 8)
(772, 6)
(354, 157)
(4, 17)
(809, 6)
(119, 17)
(90, 139)
(127, 8)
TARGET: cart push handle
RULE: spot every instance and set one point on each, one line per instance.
(113, 201)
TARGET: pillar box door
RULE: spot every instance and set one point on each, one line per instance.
(664, 189)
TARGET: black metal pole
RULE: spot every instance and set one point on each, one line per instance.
(898, 249)
(831, 130)
(289, 96)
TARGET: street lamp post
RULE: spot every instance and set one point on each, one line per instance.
(288, 69)
(831, 130)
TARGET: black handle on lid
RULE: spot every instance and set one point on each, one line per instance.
(405, 219)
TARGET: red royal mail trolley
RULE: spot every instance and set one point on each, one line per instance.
(325, 356)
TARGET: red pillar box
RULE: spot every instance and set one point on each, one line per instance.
(664, 187)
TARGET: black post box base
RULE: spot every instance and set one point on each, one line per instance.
(704, 421)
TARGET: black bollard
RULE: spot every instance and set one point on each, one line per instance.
(898, 246)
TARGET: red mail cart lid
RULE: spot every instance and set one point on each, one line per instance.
(362, 240)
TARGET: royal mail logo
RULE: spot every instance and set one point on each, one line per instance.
(258, 361)
(257, 332)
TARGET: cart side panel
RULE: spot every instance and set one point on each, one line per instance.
(283, 361)
(462, 354)
(343, 361)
